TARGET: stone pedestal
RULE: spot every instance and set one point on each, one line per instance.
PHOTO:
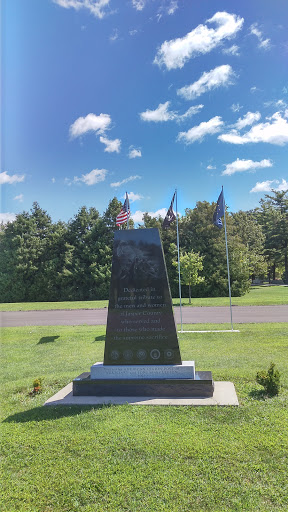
(186, 370)
(202, 386)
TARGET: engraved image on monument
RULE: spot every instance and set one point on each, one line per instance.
(140, 324)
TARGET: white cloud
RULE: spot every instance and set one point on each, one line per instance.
(233, 50)
(91, 178)
(211, 167)
(14, 178)
(133, 197)
(114, 36)
(275, 131)
(247, 120)
(266, 44)
(19, 198)
(245, 165)
(126, 180)
(162, 113)
(168, 7)
(283, 185)
(176, 52)
(95, 7)
(263, 43)
(138, 215)
(90, 123)
(138, 4)
(134, 152)
(254, 89)
(199, 132)
(236, 107)
(112, 146)
(220, 76)
(172, 7)
(280, 104)
(53, 180)
(7, 217)
(189, 113)
(254, 30)
(266, 186)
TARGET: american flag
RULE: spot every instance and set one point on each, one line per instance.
(123, 216)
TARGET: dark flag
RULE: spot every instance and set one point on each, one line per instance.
(125, 212)
(170, 215)
(219, 211)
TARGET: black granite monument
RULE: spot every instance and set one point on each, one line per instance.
(142, 356)
(140, 326)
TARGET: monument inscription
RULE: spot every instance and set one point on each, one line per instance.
(140, 326)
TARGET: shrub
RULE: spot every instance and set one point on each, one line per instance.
(269, 380)
(36, 387)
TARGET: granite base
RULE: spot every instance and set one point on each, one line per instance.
(186, 370)
(200, 387)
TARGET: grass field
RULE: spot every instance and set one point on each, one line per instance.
(258, 296)
(137, 458)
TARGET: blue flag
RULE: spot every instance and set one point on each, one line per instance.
(219, 211)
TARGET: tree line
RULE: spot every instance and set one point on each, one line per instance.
(41, 260)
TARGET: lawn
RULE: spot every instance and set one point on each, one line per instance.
(136, 458)
(258, 296)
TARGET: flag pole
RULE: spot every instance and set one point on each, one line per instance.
(229, 285)
(178, 260)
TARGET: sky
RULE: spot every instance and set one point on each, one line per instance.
(100, 97)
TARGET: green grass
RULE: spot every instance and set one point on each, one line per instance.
(136, 458)
(40, 306)
(258, 296)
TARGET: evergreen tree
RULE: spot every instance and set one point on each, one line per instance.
(25, 256)
(273, 216)
(86, 273)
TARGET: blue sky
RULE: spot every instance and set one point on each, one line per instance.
(104, 96)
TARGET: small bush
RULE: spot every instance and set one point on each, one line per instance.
(36, 387)
(37, 383)
(269, 380)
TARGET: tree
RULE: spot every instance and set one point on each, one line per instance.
(191, 264)
(26, 252)
(87, 269)
(273, 216)
(42, 260)
(250, 233)
(198, 234)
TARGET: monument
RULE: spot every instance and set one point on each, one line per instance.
(142, 356)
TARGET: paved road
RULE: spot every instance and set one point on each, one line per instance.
(193, 315)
